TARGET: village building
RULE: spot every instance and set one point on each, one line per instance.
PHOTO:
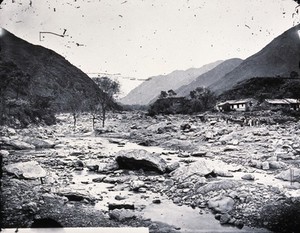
(282, 103)
(242, 105)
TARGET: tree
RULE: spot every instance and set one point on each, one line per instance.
(13, 83)
(163, 94)
(109, 89)
(171, 93)
(202, 99)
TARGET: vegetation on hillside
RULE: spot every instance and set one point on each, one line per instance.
(261, 88)
(18, 104)
(200, 100)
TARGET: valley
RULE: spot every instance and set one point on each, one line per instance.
(195, 172)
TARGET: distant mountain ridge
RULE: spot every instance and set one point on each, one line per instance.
(149, 90)
(210, 77)
(279, 58)
(50, 73)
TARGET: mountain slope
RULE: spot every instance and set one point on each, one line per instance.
(264, 88)
(210, 77)
(149, 90)
(280, 57)
(51, 75)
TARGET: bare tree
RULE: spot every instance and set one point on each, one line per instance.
(110, 89)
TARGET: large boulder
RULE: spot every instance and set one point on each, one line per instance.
(202, 167)
(292, 174)
(17, 145)
(75, 194)
(27, 170)
(39, 143)
(217, 185)
(140, 159)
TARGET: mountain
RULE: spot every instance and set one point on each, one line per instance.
(212, 76)
(50, 74)
(149, 90)
(264, 88)
(279, 58)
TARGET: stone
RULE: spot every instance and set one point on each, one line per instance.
(202, 167)
(75, 194)
(140, 159)
(27, 170)
(173, 166)
(178, 144)
(225, 218)
(99, 179)
(136, 184)
(156, 201)
(265, 165)
(217, 185)
(221, 204)
(121, 214)
(19, 145)
(119, 197)
(248, 177)
(276, 165)
(39, 143)
(199, 153)
(4, 153)
(289, 175)
(112, 206)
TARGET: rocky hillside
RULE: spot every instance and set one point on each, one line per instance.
(212, 76)
(279, 58)
(149, 90)
(51, 74)
(265, 88)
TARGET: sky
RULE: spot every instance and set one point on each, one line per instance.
(131, 40)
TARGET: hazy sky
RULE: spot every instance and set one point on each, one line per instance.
(143, 38)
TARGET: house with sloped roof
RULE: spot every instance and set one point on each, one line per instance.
(283, 103)
(242, 105)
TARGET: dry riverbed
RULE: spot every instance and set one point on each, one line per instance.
(169, 174)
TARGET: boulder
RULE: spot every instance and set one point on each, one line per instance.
(217, 185)
(184, 145)
(290, 175)
(265, 165)
(121, 214)
(75, 194)
(140, 159)
(27, 170)
(201, 167)
(18, 145)
(221, 204)
(173, 166)
(276, 164)
(39, 143)
(136, 184)
(248, 177)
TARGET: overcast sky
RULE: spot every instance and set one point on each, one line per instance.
(143, 38)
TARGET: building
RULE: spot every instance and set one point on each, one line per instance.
(283, 103)
(236, 105)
